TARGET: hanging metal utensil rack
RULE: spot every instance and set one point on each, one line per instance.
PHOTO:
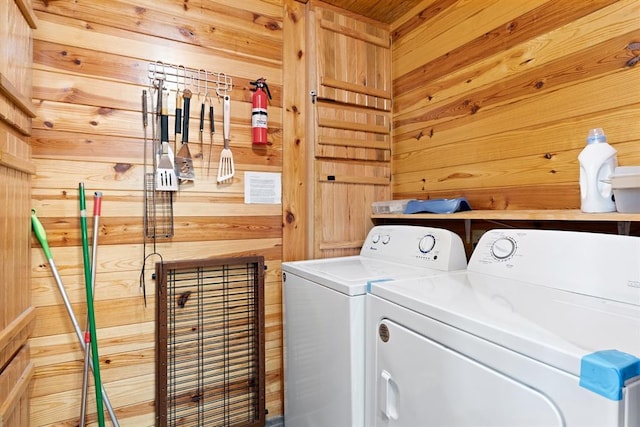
(179, 77)
(158, 205)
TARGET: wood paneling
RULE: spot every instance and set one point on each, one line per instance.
(380, 11)
(17, 316)
(350, 126)
(494, 99)
(296, 151)
(90, 67)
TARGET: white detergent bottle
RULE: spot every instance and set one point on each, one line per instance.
(597, 162)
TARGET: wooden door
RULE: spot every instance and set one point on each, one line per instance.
(16, 313)
(351, 126)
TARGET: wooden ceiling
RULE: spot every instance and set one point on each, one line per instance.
(387, 11)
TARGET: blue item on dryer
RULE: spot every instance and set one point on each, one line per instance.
(371, 282)
(605, 372)
(459, 204)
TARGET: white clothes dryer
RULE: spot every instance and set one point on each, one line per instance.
(324, 302)
(542, 330)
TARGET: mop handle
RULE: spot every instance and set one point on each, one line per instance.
(85, 379)
(41, 235)
(97, 207)
(90, 309)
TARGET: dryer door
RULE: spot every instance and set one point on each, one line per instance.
(422, 383)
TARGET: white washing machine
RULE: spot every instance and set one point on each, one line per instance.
(324, 302)
(542, 330)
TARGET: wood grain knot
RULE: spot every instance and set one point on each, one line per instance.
(290, 217)
(272, 26)
(187, 33)
(121, 168)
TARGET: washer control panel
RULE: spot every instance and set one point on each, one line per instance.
(427, 243)
(417, 246)
(503, 248)
(603, 265)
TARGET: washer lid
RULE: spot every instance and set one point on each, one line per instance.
(350, 275)
(553, 326)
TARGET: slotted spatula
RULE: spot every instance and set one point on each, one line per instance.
(166, 179)
(226, 168)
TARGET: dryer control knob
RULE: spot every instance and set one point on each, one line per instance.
(427, 243)
(503, 248)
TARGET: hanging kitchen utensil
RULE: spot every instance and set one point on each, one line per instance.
(226, 168)
(166, 179)
(184, 159)
(202, 108)
(158, 205)
(178, 115)
(212, 129)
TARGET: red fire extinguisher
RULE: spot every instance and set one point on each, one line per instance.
(259, 111)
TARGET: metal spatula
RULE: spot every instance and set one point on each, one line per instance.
(166, 179)
(226, 168)
(183, 158)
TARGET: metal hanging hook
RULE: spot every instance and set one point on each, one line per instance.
(184, 78)
(221, 86)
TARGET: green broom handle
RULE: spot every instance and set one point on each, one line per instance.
(90, 310)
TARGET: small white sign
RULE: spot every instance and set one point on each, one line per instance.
(263, 187)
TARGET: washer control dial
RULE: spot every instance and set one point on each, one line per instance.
(427, 243)
(503, 248)
(375, 238)
(386, 239)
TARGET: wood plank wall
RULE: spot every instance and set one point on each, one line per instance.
(90, 67)
(17, 316)
(493, 100)
(349, 125)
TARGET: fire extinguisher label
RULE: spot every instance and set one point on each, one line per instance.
(259, 118)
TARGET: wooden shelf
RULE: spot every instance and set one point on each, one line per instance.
(520, 215)
(623, 220)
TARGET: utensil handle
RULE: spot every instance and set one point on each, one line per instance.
(164, 118)
(202, 117)
(186, 111)
(226, 118)
(211, 121)
(145, 109)
(178, 127)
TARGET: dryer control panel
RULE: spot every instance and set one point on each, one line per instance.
(602, 265)
(416, 246)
